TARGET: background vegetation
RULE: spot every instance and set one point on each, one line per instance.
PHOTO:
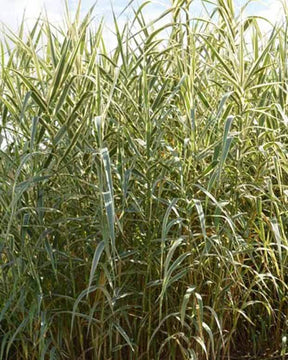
(144, 190)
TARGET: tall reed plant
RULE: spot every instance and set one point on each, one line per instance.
(144, 188)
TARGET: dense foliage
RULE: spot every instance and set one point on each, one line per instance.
(144, 190)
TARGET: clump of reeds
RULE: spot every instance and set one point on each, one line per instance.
(144, 189)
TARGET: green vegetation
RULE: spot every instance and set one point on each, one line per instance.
(144, 190)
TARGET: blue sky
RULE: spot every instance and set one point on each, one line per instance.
(12, 10)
